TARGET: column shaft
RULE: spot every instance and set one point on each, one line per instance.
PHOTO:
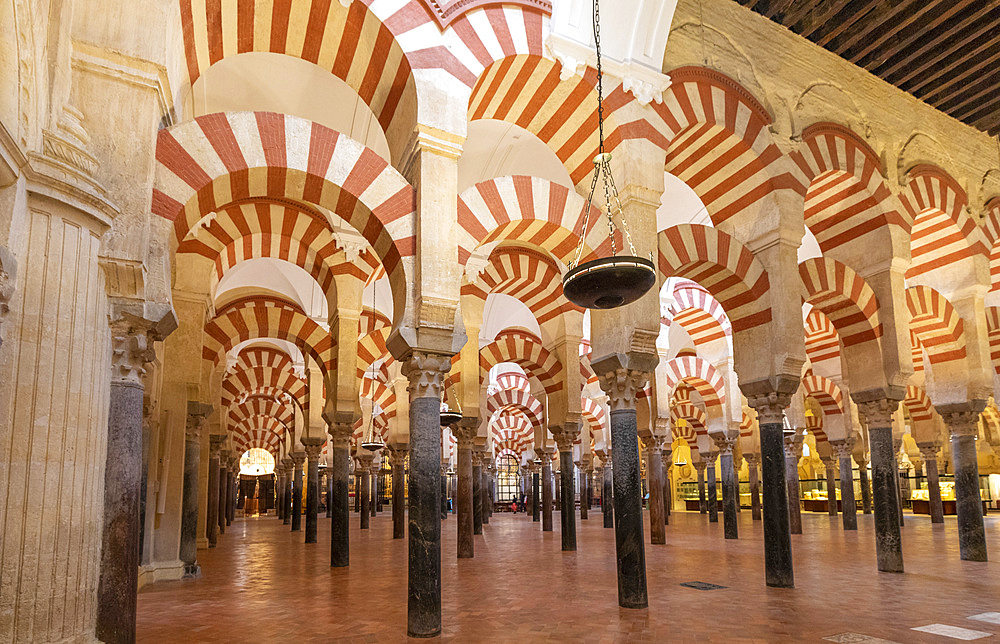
(777, 537)
(223, 493)
(754, 490)
(485, 501)
(702, 496)
(584, 487)
(231, 499)
(398, 500)
(340, 553)
(631, 556)
(547, 494)
(968, 502)
(477, 499)
(713, 494)
(934, 490)
(657, 523)
(888, 543)
(212, 510)
(866, 489)
(444, 496)
(567, 516)
(424, 548)
(366, 500)
(312, 499)
(189, 507)
(831, 490)
(730, 496)
(847, 502)
(535, 506)
(792, 479)
(466, 510)
(607, 495)
(297, 497)
(329, 493)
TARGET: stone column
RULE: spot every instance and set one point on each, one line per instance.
(234, 473)
(397, 457)
(340, 502)
(373, 470)
(930, 451)
(535, 495)
(313, 447)
(963, 425)
(700, 467)
(547, 489)
(212, 511)
(752, 460)
(557, 490)
(484, 488)
(196, 414)
(365, 468)
(621, 386)
(842, 449)
(668, 492)
(737, 463)
(565, 437)
(777, 537)
(286, 516)
(888, 543)
(831, 485)
(793, 452)
(608, 493)
(118, 582)
(329, 489)
(730, 490)
(713, 493)
(465, 434)
(279, 488)
(357, 487)
(866, 488)
(298, 460)
(585, 468)
(444, 491)
(897, 445)
(654, 472)
(477, 492)
(224, 456)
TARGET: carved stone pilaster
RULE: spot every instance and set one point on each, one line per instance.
(770, 407)
(877, 413)
(8, 274)
(426, 373)
(622, 386)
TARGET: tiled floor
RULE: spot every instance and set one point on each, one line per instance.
(262, 584)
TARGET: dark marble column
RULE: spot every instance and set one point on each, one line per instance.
(340, 430)
(535, 495)
(365, 465)
(313, 449)
(465, 433)
(888, 543)
(584, 488)
(118, 583)
(397, 459)
(866, 487)
(477, 492)
(778, 571)
(752, 460)
(831, 486)
(701, 466)
(329, 494)
(212, 509)
(444, 491)
(547, 490)
(668, 493)
(357, 487)
(713, 493)
(485, 501)
(654, 471)
(737, 462)
(196, 414)
(621, 386)
(231, 491)
(223, 488)
(607, 493)
(373, 479)
(730, 489)
(557, 490)
(842, 449)
(567, 515)
(964, 427)
(930, 451)
(426, 374)
(286, 516)
(897, 445)
(298, 460)
(793, 451)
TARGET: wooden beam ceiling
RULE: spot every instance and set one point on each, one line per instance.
(944, 52)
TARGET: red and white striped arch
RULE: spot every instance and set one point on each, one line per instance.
(371, 321)
(371, 348)
(266, 317)
(822, 341)
(943, 233)
(936, 324)
(518, 399)
(263, 380)
(350, 42)
(513, 380)
(528, 92)
(694, 424)
(512, 430)
(916, 352)
(719, 142)
(383, 396)
(216, 160)
(991, 230)
(993, 335)
(526, 275)
(698, 313)
(825, 392)
(593, 412)
(814, 424)
(845, 298)
(746, 425)
(256, 438)
(258, 426)
(918, 404)
(530, 210)
(723, 267)
(701, 375)
(526, 351)
(259, 406)
(846, 197)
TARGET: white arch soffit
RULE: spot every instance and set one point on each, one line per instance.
(679, 204)
(499, 149)
(268, 82)
(284, 346)
(809, 249)
(503, 312)
(383, 297)
(279, 276)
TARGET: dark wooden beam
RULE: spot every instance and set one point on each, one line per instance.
(796, 13)
(884, 49)
(851, 17)
(968, 77)
(969, 103)
(936, 62)
(777, 7)
(989, 121)
(930, 42)
(881, 17)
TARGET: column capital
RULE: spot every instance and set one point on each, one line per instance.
(962, 419)
(313, 447)
(397, 455)
(877, 413)
(465, 432)
(365, 462)
(828, 462)
(770, 406)
(752, 459)
(197, 414)
(298, 458)
(793, 445)
(215, 442)
(700, 466)
(622, 386)
(725, 443)
(929, 450)
(131, 349)
(224, 455)
(426, 373)
(565, 435)
(340, 432)
(843, 448)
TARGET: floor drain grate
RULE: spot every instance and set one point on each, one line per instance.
(702, 585)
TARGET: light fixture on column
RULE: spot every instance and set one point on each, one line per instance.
(607, 282)
(374, 442)
(449, 417)
(786, 427)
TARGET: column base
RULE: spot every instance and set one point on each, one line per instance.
(192, 570)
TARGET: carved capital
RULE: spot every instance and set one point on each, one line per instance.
(397, 455)
(215, 442)
(753, 460)
(725, 443)
(298, 459)
(929, 451)
(843, 448)
(962, 423)
(793, 445)
(340, 433)
(197, 414)
(426, 373)
(877, 413)
(313, 447)
(700, 466)
(465, 432)
(131, 349)
(770, 406)
(622, 386)
(565, 435)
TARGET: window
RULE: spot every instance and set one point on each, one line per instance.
(508, 479)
